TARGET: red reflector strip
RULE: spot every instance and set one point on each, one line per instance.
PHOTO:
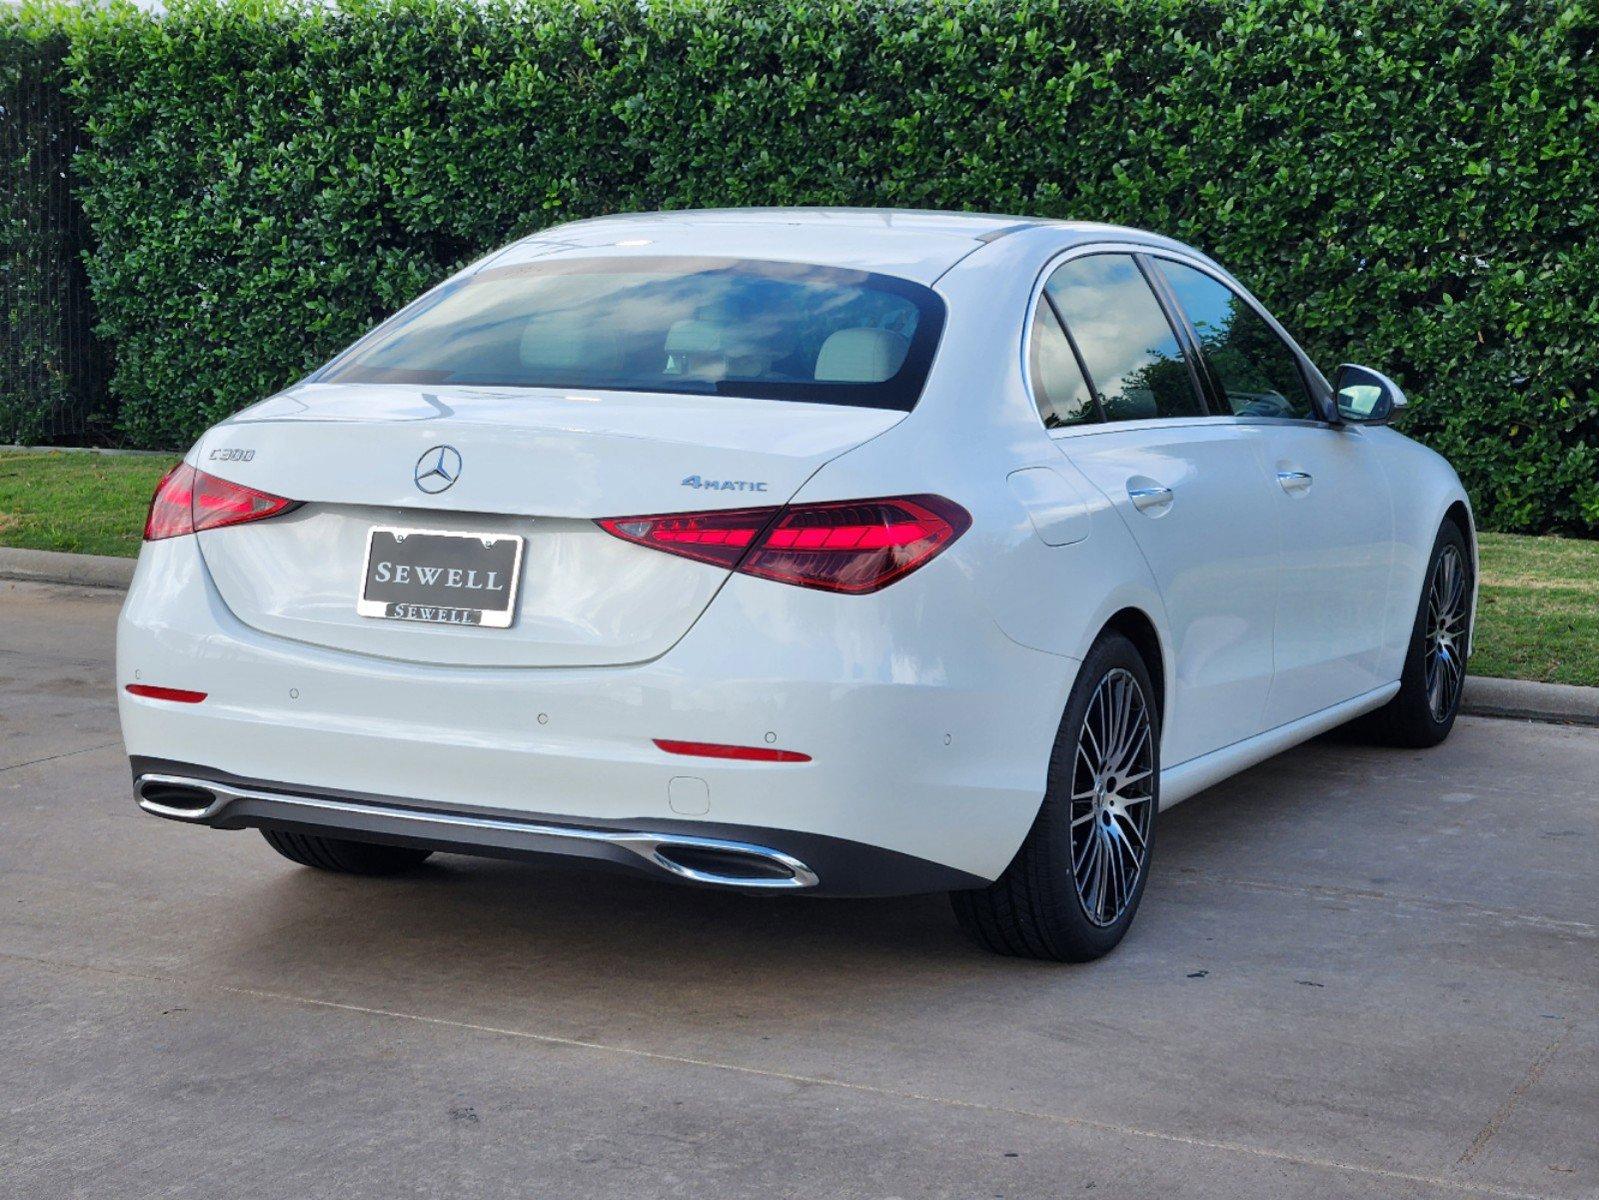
(177, 695)
(717, 750)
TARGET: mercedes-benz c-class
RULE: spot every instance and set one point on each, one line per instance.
(814, 551)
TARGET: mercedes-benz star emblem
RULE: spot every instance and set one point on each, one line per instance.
(438, 469)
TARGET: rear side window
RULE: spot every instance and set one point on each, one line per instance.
(1134, 360)
(1254, 368)
(1063, 395)
(728, 327)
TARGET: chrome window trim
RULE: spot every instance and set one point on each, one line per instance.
(1062, 257)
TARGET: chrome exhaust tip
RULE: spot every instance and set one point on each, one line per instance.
(728, 864)
(177, 798)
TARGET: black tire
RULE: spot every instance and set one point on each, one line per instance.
(1413, 718)
(345, 857)
(1037, 909)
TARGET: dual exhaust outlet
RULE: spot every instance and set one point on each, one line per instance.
(714, 861)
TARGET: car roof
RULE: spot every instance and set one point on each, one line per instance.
(915, 244)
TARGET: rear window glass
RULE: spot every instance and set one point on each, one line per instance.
(730, 327)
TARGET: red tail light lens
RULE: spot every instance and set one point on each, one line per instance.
(714, 537)
(851, 546)
(187, 501)
(172, 508)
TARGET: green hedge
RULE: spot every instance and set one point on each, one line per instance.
(52, 383)
(1409, 183)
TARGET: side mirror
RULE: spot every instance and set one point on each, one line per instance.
(1364, 396)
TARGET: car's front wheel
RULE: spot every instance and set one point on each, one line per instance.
(1073, 888)
(1434, 678)
(346, 857)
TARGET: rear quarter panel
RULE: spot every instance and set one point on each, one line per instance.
(975, 426)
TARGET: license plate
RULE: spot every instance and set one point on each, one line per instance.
(440, 578)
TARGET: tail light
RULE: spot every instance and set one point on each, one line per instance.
(188, 500)
(852, 546)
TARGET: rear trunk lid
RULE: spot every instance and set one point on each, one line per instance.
(539, 465)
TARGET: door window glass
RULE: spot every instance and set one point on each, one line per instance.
(1059, 388)
(1133, 358)
(1254, 367)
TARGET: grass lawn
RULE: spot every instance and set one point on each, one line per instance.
(1537, 618)
(1538, 609)
(80, 503)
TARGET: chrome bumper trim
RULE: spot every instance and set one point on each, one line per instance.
(654, 849)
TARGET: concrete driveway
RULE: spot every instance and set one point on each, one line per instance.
(1357, 973)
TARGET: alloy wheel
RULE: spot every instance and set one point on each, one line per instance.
(1113, 790)
(1446, 633)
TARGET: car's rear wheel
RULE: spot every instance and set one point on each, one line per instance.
(1074, 887)
(1434, 678)
(346, 857)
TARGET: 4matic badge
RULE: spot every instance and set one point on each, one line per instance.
(725, 485)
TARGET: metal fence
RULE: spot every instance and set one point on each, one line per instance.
(52, 369)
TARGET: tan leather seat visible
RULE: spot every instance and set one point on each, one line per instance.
(861, 356)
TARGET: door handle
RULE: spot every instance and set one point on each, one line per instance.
(1146, 498)
(1294, 481)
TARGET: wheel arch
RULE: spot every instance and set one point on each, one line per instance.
(1459, 513)
(1139, 628)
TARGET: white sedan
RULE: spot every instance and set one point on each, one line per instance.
(844, 552)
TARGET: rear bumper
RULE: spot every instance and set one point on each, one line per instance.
(744, 859)
(928, 730)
